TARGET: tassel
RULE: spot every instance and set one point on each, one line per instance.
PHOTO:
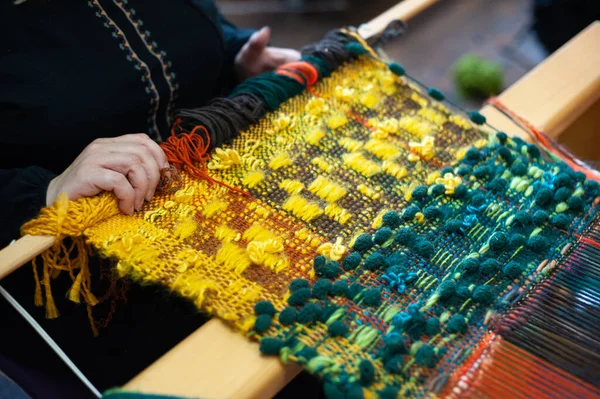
(51, 311)
(74, 292)
(38, 287)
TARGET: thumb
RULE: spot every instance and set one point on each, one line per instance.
(259, 40)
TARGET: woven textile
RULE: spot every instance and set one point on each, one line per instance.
(388, 243)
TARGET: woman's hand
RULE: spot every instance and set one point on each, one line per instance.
(128, 165)
(255, 57)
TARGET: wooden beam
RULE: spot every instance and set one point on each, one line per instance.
(404, 11)
(22, 251)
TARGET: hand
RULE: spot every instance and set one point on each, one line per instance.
(255, 57)
(129, 166)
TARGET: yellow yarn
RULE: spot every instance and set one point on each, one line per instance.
(326, 189)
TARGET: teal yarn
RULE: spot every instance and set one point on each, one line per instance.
(483, 295)
(533, 151)
(538, 244)
(575, 203)
(388, 393)
(375, 261)
(438, 190)
(298, 283)
(433, 212)
(307, 353)
(446, 290)
(453, 226)
(420, 193)
(490, 266)
(477, 118)
(309, 313)
(498, 242)
(425, 356)
(274, 89)
(396, 69)
(456, 324)
(543, 196)
(469, 266)
(332, 391)
(497, 185)
(363, 243)
(463, 291)
(367, 372)
(319, 265)
(436, 94)
(391, 219)
(563, 180)
(355, 48)
(262, 323)
(394, 364)
(561, 221)
(516, 240)
(518, 168)
(432, 326)
(464, 170)
(476, 77)
(473, 154)
(354, 290)
(338, 329)
(300, 297)
(352, 261)
(591, 188)
(562, 194)
(321, 65)
(394, 343)
(264, 307)
(372, 297)
(512, 270)
(522, 218)
(405, 236)
(502, 137)
(382, 235)
(271, 346)
(288, 316)
(540, 217)
(460, 191)
(411, 211)
(332, 269)
(481, 171)
(423, 248)
(354, 391)
(322, 288)
(339, 288)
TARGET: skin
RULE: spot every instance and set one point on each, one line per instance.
(130, 165)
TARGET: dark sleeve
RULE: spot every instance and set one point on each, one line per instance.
(22, 194)
(234, 39)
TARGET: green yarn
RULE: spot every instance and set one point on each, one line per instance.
(355, 48)
(337, 329)
(512, 270)
(563, 180)
(432, 212)
(562, 194)
(516, 240)
(288, 316)
(540, 217)
(332, 269)
(300, 297)
(354, 290)
(423, 248)
(522, 218)
(394, 364)
(298, 283)
(538, 244)
(543, 196)
(498, 241)
(437, 190)
(575, 203)
(460, 191)
(262, 323)
(388, 393)
(391, 219)
(519, 168)
(502, 137)
(432, 326)
(394, 343)
(591, 188)
(307, 353)
(410, 211)
(476, 77)
(477, 118)
(456, 324)
(464, 170)
(372, 297)
(352, 261)
(497, 185)
(481, 171)
(367, 372)
(265, 307)
(446, 290)
(483, 295)
(322, 288)
(419, 193)
(404, 236)
(382, 235)
(453, 226)
(436, 94)
(506, 155)
(396, 69)
(472, 154)
(339, 288)
(375, 261)
(463, 291)
(271, 346)
(470, 266)
(321, 65)
(425, 356)
(534, 151)
(309, 313)
(561, 221)
(319, 265)
(273, 88)
(489, 266)
(363, 243)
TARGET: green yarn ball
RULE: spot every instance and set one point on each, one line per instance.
(561, 221)
(477, 77)
(489, 266)
(436, 94)
(355, 48)
(299, 283)
(512, 270)
(388, 393)
(540, 217)
(425, 356)
(288, 316)
(264, 307)
(394, 365)
(391, 219)
(352, 261)
(375, 261)
(271, 346)
(332, 269)
(396, 69)
(372, 297)
(456, 324)
(446, 290)
(339, 288)
(300, 297)
(337, 329)
(538, 244)
(452, 226)
(321, 288)
(382, 235)
(309, 313)
(432, 326)
(483, 295)
(367, 372)
(404, 236)
(424, 248)
(363, 243)
(498, 241)
(262, 323)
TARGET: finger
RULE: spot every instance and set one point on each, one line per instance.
(140, 139)
(122, 163)
(259, 40)
(109, 180)
(139, 181)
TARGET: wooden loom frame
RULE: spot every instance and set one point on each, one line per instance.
(552, 96)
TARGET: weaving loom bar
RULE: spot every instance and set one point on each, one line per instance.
(404, 10)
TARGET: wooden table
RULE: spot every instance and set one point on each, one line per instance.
(560, 96)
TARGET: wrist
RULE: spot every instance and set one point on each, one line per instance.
(51, 191)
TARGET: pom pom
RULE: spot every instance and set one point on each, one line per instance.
(563, 180)
(497, 185)
(456, 324)
(298, 283)
(481, 171)
(502, 137)
(354, 290)
(512, 270)
(483, 295)
(339, 288)
(309, 313)
(382, 235)
(332, 269)
(506, 155)
(575, 203)
(453, 226)
(533, 150)
(419, 194)
(464, 170)
(472, 154)
(262, 323)
(372, 297)
(446, 169)
(319, 265)
(519, 168)
(264, 307)
(463, 292)
(396, 69)
(538, 244)
(478, 200)
(354, 391)
(288, 316)
(460, 191)
(477, 77)
(432, 212)
(367, 372)
(423, 248)
(543, 196)
(470, 266)
(425, 356)
(437, 190)
(432, 326)
(389, 393)
(363, 242)
(355, 48)
(271, 346)
(523, 218)
(326, 313)
(322, 288)
(394, 364)
(396, 259)
(498, 241)
(516, 240)
(375, 261)
(415, 325)
(332, 391)
(591, 188)
(352, 261)
(579, 176)
(391, 219)
(477, 118)
(489, 266)
(307, 353)
(436, 94)
(300, 297)
(540, 217)
(446, 290)
(562, 194)
(561, 221)
(404, 236)
(394, 343)
(337, 329)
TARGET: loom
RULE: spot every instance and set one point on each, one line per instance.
(360, 226)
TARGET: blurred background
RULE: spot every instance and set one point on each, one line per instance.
(446, 45)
